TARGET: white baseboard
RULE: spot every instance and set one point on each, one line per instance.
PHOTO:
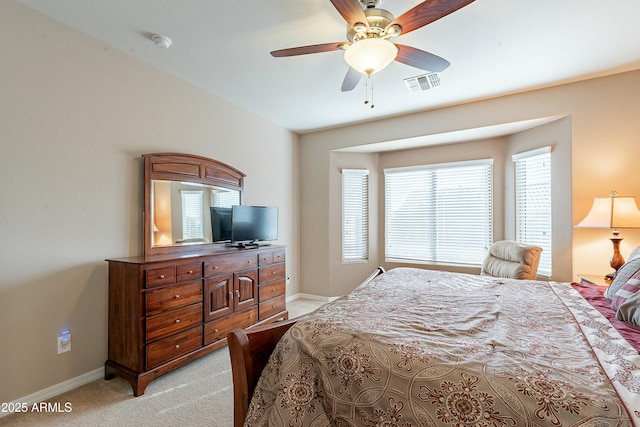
(310, 296)
(55, 390)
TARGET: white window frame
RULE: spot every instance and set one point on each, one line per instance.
(439, 213)
(533, 213)
(355, 215)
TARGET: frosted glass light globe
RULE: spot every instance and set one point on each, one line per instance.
(371, 55)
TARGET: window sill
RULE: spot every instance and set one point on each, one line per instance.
(458, 268)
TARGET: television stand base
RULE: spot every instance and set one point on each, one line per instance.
(248, 245)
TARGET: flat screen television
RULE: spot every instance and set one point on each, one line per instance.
(220, 224)
(252, 224)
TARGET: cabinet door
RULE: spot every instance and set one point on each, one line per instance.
(246, 289)
(218, 296)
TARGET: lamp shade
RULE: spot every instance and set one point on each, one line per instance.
(612, 212)
(371, 55)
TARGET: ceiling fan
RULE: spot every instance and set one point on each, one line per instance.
(369, 32)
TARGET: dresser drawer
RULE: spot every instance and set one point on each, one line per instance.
(189, 272)
(160, 276)
(170, 297)
(218, 329)
(173, 321)
(173, 346)
(223, 265)
(272, 306)
(272, 272)
(271, 257)
(271, 290)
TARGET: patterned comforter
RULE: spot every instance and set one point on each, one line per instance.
(428, 348)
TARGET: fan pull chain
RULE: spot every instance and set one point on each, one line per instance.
(366, 91)
(372, 104)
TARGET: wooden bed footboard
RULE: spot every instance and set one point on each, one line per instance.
(250, 350)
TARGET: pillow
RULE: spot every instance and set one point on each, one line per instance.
(635, 253)
(626, 291)
(624, 273)
(629, 311)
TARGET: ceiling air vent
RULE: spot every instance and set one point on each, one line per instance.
(423, 82)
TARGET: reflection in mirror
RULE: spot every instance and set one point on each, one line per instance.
(180, 211)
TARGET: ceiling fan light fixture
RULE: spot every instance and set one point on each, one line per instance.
(371, 55)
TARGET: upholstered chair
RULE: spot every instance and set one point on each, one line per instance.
(510, 259)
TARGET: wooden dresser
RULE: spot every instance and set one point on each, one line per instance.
(167, 310)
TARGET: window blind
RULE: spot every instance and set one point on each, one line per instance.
(355, 215)
(192, 221)
(223, 198)
(439, 213)
(533, 203)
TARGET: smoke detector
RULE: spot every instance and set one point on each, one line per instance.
(423, 82)
(161, 41)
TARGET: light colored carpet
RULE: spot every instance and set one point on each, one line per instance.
(197, 394)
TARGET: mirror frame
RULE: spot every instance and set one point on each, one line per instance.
(185, 168)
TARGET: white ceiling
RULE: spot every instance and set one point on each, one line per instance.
(495, 47)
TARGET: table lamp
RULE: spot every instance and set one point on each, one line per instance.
(613, 212)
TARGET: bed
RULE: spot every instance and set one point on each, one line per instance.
(413, 347)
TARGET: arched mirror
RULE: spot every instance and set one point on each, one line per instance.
(183, 195)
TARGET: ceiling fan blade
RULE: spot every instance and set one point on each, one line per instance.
(420, 59)
(351, 11)
(351, 80)
(427, 12)
(304, 50)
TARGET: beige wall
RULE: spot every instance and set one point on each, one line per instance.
(341, 276)
(599, 120)
(75, 116)
(557, 135)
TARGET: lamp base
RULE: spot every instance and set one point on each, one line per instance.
(616, 259)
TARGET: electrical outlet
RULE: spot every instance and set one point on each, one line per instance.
(64, 342)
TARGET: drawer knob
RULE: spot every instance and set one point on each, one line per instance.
(177, 296)
(273, 306)
(190, 271)
(177, 345)
(215, 330)
(162, 276)
(250, 316)
(177, 320)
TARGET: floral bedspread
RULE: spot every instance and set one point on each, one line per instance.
(428, 348)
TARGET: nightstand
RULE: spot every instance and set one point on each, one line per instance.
(594, 279)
